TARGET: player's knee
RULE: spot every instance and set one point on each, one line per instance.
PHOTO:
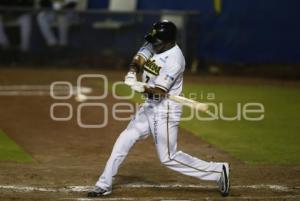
(167, 162)
(165, 159)
(122, 148)
(124, 144)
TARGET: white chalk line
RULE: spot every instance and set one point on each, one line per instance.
(279, 197)
(127, 198)
(171, 186)
(78, 189)
(40, 90)
(99, 199)
(20, 188)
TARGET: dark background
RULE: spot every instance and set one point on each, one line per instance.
(248, 37)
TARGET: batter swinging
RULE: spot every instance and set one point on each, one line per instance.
(163, 65)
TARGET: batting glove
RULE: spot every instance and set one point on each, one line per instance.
(138, 86)
(130, 78)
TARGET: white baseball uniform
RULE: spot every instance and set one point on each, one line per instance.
(24, 21)
(47, 18)
(161, 119)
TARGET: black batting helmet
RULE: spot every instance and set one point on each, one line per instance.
(162, 32)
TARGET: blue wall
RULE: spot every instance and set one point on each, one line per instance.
(247, 31)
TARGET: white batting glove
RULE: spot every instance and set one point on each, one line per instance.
(138, 86)
(130, 78)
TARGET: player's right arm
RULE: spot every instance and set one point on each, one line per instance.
(144, 53)
(138, 61)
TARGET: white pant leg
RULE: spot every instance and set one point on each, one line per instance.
(63, 28)
(3, 37)
(137, 129)
(164, 127)
(45, 20)
(24, 22)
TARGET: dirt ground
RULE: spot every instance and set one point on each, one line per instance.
(66, 155)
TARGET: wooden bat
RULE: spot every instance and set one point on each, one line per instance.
(184, 101)
(189, 102)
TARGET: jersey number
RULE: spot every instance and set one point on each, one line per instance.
(147, 79)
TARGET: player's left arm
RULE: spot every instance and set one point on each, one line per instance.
(143, 88)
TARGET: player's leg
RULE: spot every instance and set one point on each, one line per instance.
(182, 162)
(165, 134)
(63, 28)
(25, 25)
(137, 129)
(45, 20)
(4, 42)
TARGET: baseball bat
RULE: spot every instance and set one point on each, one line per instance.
(189, 102)
(184, 101)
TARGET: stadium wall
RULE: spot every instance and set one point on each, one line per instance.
(245, 31)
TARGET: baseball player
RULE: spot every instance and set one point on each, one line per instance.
(21, 19)
(163, 65)
(46, 19)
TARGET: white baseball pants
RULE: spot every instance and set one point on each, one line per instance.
(24, 21)
(46, 19)
(162, 121)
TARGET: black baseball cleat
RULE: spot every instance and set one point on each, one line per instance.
(97, 192)
(224, 183)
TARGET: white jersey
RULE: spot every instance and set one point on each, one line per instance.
(164, 70)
